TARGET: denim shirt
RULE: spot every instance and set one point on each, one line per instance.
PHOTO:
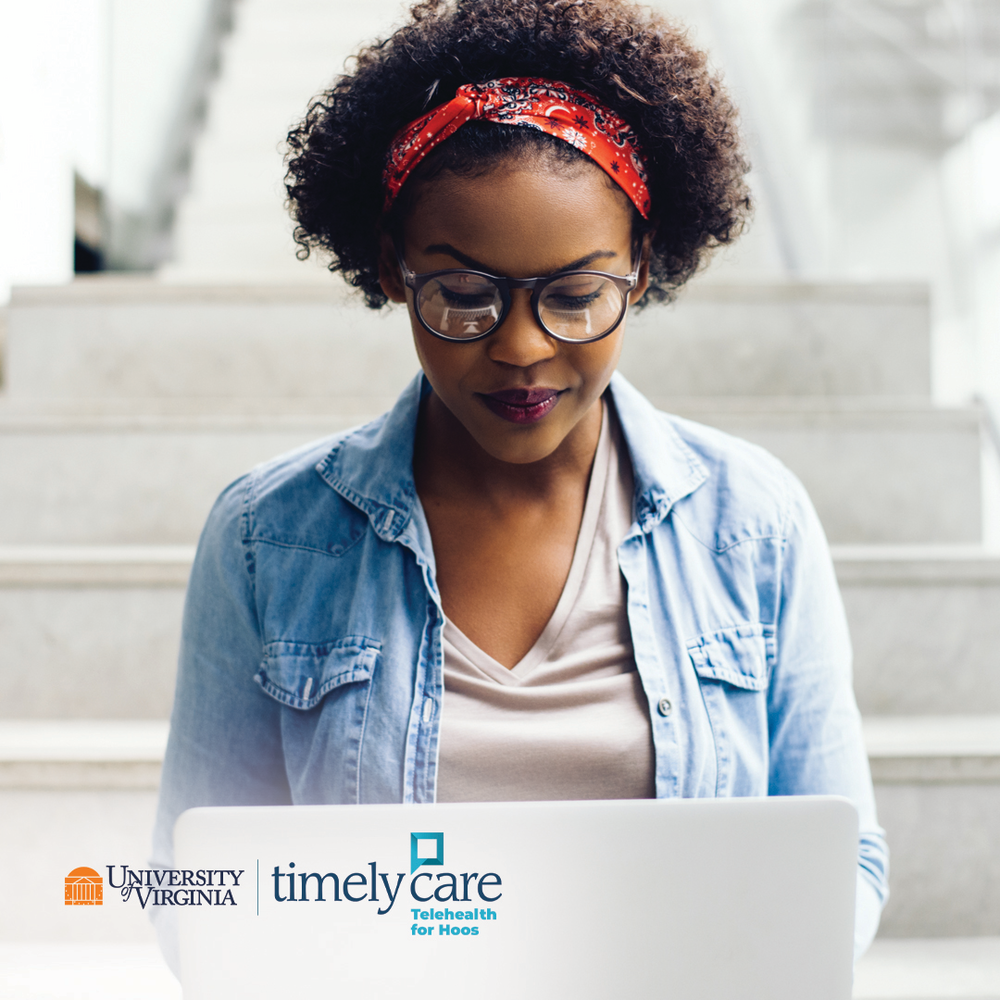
(311, 665)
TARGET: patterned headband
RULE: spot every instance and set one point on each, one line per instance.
(546, 105)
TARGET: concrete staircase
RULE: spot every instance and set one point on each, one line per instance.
(231, 225)
(128, 404)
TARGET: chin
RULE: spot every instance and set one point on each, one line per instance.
(522, 447)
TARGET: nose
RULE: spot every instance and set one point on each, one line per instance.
(519, 340)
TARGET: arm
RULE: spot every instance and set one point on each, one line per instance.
(815, 727)
(225, 739)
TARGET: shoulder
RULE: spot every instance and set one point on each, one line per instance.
(746, 493)
(286, 501)
(723, 489)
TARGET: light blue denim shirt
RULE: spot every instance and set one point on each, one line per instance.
(311, 666)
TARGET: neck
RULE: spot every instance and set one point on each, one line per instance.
(449, 461)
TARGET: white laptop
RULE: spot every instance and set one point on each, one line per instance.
(721, 899)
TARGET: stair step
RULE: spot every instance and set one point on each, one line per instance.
(96, 565)
(907, 969)
(929, 969)
(925, 625)
(77, 754)
(798, 339)
(132, 480)
(46, 833)
(102, 337)
(933, 748)
(901, 749)
(94, 479)
(937, 786)
(92, 971)
(101, 627)
(108, 338)
(858, 432)
(866, 470)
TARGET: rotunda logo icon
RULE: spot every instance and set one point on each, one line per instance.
(84, 887)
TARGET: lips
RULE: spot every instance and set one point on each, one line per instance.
(521, 406)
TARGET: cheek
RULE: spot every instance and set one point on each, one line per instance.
(601, 359)
(443, 363)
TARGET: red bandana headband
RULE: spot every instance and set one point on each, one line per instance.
(551, 107)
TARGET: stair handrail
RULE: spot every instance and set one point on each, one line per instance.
(989, 421)
(142, 241)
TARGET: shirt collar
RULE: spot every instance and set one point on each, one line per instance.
(665, 469)
(372, 467)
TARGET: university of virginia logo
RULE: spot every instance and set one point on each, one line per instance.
(84, 887)
(155, 886)
(177, 886)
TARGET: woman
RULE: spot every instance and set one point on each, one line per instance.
(523, 581)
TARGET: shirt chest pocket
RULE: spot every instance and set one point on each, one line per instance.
(300, 674)
(733, 675)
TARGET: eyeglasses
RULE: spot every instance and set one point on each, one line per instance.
(576, 307)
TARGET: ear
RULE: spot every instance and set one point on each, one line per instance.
(642, 280)
(388, 271)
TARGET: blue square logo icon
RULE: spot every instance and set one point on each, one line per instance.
(426, 849)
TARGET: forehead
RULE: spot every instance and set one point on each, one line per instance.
(522, 218)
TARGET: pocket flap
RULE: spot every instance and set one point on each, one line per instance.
(300, 674)
(736, 655)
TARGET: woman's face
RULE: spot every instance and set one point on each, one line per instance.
(525, 219)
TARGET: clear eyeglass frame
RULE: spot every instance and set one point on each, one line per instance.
(416, 282)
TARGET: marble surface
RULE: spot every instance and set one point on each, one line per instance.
(930, 969)
(151, 479)
(101, 625)
(45, 834)
(131, 338)
(89, 648)
(111, 971)
(915, 969)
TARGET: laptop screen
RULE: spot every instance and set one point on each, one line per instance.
(739, 898)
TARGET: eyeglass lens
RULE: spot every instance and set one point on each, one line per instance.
(575, 306)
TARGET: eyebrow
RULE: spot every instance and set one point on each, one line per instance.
(580, 263)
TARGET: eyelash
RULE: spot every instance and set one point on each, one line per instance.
(468, 300)
(575, 301)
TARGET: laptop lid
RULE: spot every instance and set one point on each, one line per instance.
(707, 899)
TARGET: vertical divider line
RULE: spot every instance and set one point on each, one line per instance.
(258, 887)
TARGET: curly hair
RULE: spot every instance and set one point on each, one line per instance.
(634, 61)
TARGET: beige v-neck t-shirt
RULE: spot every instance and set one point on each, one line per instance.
(571, 720)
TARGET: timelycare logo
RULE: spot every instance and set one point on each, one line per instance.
(450, 904)
(84, 887)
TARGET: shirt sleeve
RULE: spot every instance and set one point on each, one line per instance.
(225, 739)
(816, 744)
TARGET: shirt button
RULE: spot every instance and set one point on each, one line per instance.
(664, 707)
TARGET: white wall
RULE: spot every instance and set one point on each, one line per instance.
(90, 86)
(52, 57)
(844, 209)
